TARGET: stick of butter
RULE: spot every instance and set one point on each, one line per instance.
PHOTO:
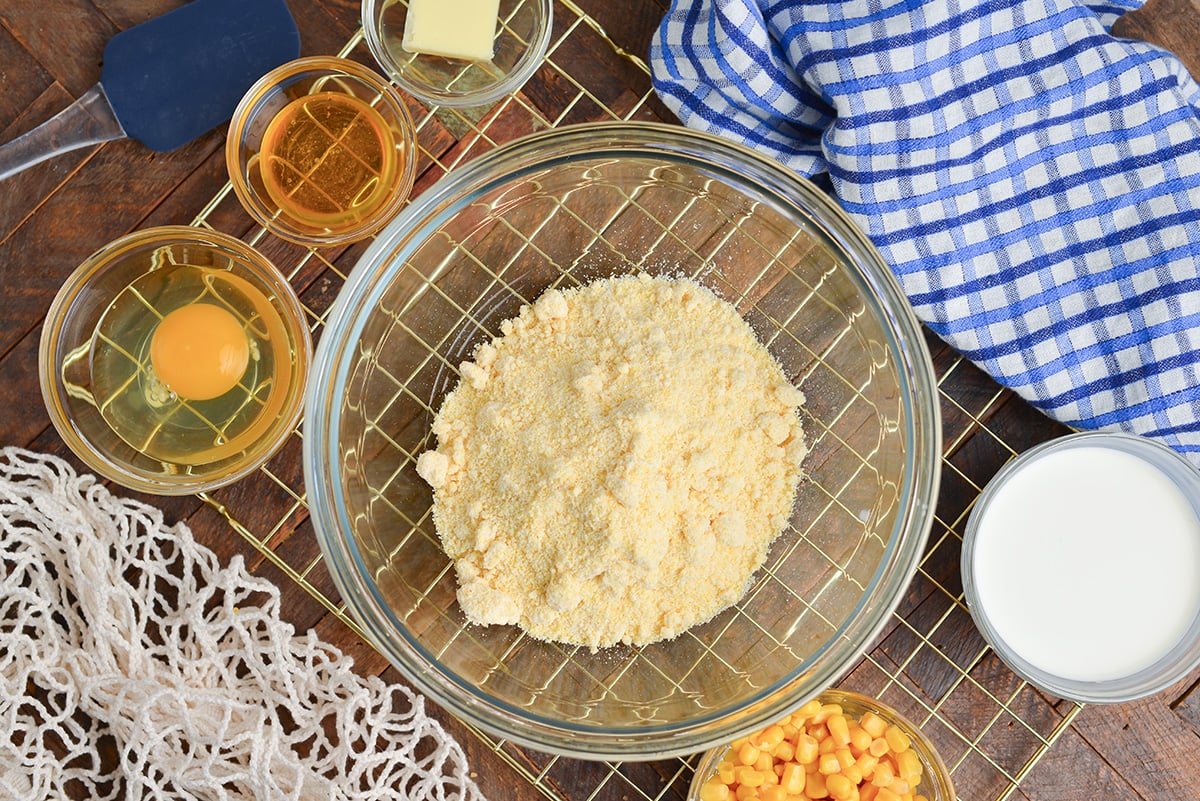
(452, 28)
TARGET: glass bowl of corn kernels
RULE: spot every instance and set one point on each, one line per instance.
(841, 746)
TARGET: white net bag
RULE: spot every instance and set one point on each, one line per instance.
(133, 666)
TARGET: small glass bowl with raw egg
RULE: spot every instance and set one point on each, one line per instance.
(459, 62)
(322, 151)
(173, 360)
(838, 746)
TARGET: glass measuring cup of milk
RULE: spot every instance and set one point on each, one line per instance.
(1081, 566)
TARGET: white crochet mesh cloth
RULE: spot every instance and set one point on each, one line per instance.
(133, 666)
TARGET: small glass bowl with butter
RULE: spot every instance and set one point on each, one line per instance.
(841, 745)
(458, 54)
(173, 360)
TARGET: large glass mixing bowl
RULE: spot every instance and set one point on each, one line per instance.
(562, 208)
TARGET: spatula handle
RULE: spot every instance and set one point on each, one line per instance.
(90, 120)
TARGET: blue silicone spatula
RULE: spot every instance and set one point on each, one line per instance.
(168, 80)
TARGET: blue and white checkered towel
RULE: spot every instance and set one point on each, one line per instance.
(1033, 181)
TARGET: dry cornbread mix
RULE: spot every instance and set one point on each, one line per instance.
(613, 467)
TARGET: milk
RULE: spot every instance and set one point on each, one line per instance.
(1087, 563)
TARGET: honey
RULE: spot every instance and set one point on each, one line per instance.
(221, 343)
(329, 161)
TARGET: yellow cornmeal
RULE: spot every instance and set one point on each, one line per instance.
(613, 468)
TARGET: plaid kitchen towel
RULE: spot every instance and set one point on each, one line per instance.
(1033, 181)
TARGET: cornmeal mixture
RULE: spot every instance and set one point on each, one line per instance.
(613, 467)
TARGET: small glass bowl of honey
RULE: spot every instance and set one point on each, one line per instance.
(173, 360)
(322, 151)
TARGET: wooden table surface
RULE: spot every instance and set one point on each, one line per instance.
(53, 216)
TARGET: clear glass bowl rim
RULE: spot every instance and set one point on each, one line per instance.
(102, 260)
(530, 61)
(344, 325)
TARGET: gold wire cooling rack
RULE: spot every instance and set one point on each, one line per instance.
(930, 662)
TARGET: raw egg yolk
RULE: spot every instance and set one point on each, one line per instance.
(199, 351)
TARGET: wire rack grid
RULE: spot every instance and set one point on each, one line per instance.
(929, 662)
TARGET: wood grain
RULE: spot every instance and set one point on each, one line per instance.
(1171, 24)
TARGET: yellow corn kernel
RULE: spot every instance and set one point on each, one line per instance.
(883, 775)
(897, 740)
(749, 777)
(725, 772)
(773, 793)
(844, 757)
(874, 724)
(867, 792)
(860, 738)
(793, 778)
(768, 738)
(806, 712)
(829, 764)
(866, 763)
(814, 786)
(765, 763)
(828, 746)
(839, 729)
(839, 787)
(899, 787)
(908, 765)
(807, 749)
(879, 747)
(885, 794)
(714, 790)
(744, 793)
(784, 752)
(827, 711)
(747, 754)
(853, 774)
(920, 798)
